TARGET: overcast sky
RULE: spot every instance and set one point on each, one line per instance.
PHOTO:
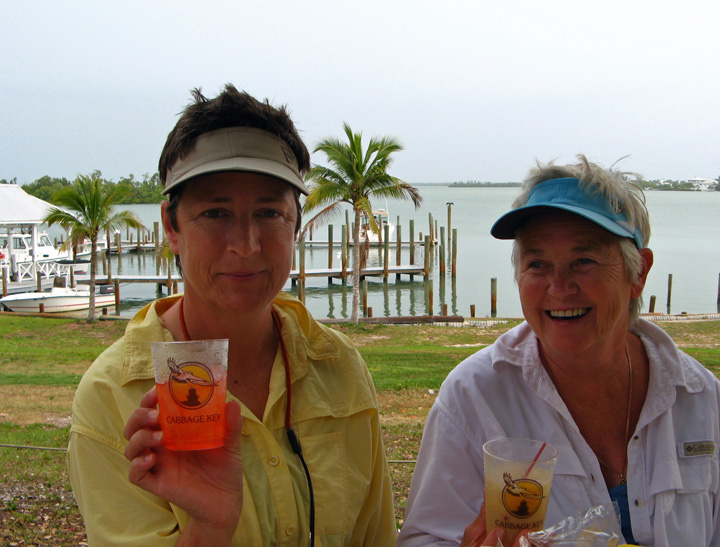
(474, 90)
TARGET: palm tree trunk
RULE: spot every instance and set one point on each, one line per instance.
(93, 272)
(356, 268)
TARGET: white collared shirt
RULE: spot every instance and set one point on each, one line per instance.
(504, 391)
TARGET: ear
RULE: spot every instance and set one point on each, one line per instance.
(169, 230)
(646, 256)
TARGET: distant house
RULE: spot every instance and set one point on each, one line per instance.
(702, 183)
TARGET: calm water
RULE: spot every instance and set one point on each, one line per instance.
(684, 241)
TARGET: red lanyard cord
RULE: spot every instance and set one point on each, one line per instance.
(292, 438)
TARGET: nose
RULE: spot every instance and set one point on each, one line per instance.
(561, 284)
(243, 237)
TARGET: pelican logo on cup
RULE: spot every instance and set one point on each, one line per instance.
(191, 384)
(522, 497)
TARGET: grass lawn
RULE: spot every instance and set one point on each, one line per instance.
(42, 360)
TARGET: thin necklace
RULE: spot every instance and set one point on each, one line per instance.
(623, 478)
(183, 326)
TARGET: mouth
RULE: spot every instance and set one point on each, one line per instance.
(566, 315)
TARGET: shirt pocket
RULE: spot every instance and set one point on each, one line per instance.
(325, 458)
(698, 475)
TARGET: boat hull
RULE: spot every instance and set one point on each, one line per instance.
(54, 303)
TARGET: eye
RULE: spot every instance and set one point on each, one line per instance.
(534, 265)
(213, 213)
(270, 213)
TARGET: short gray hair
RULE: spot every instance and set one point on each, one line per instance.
(623, 192)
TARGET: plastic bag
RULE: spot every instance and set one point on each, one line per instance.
(597, 527)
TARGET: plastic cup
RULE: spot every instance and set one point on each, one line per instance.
(191, 379)
(518, 477)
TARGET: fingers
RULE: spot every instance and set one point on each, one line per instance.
(146, 416)
(493, 536)
(475, 531)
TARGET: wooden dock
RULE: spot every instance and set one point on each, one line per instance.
(335, 273)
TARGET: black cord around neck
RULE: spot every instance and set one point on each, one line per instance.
(292, 438)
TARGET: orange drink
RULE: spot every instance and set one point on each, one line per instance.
(191, 379)
(518, 476)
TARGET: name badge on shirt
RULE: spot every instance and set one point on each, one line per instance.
(696, 448)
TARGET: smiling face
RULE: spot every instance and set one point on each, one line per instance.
(235, 238)
(574, 288)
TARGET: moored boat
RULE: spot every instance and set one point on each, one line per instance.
(58, 300)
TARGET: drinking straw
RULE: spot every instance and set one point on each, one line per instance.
(535, 460)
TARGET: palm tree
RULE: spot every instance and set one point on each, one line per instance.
(90, 209)
(354, 176)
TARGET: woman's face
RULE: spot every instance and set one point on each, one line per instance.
(235, 237)
(574, 288)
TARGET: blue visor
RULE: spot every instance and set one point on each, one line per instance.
(567, 194)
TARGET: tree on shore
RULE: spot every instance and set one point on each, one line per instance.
(354, 176)
(90, 209)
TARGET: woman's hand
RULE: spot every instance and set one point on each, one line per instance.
(476, 534)
(206, 484)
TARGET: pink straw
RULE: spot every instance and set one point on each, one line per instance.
(535, 460)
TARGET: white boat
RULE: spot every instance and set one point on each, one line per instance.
(22, 248)
(382, 218)
(58, 300)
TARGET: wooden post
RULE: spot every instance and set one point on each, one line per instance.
(156, 232)
(301, 274)
(330, 247)
(104, 262)
(430, 297)
(4, 280)
(431, 225)
(493, 297)
(364, 295)
(41, 307)
(347, 225)
(652, 304)
(444, 309)
(427, 257)
(669, 292)
(472, 310)
(118, 244)
(454, 253)
(442, 257)
(369, 312)
(386, 250)
(138, 240)
(449, 226)
(412, 241)
(343, 255)
(38, 280)
(116, 288)
(109, 268)
(398, 245)
(72, 277)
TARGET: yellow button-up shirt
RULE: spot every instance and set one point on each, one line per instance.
(334, 414)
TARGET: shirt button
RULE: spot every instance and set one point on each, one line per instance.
(290, 530)
(274, 461)
(639, 502)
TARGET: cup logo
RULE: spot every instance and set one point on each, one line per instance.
(191, 384)
(521, 498)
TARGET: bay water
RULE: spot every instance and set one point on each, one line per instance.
(684, 242)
